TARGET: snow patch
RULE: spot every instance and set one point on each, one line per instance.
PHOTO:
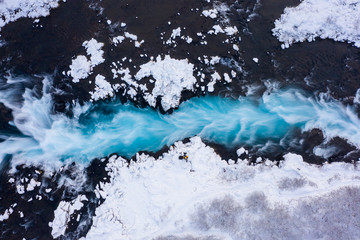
(211, 13)
(63, 213)
(103, 89)
(7, 213)
(175, 33)
(241, 151)
(81, 67)
(217, 29)
(171, 77)
(32, 184)
(94, 50)
(132, 38)
(357, 97)
(12, 10)
(117, 40)
(214, 78)
(231, 30)
(333, 19)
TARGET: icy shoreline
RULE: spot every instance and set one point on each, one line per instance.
(190, 191)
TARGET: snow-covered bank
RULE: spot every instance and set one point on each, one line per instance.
(12, 10)
(189, 192)
(333, 19)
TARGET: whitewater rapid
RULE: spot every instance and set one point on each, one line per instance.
(98, 130)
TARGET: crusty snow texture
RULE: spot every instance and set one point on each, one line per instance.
(171, 77)
(335, 19)
(103, 88)
(11, 10)
(205, 197)
(81, 67)
(63, 213)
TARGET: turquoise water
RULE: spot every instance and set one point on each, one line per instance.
(106, 128)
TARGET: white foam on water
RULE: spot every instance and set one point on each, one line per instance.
(102, 129)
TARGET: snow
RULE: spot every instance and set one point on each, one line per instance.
(214, 60)
(131, 36)
(231, 30)
(212, 13)
(20, 189)
(175, 33)
(204, 196)
(138, 44)
(118, 39)
(103, 89)
(217, 29)
(7, 212)
(126, 75)
(214, 78)
(81, 67)
(189, 40)
(12, 10)
(333, 19)
(94, 50)
(240, 151)
(357, 97)
(233, 73)
(171, 77)
(62, 215)
(32, 184)
(227, 78)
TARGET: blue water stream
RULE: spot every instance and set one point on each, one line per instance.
(101, 129)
